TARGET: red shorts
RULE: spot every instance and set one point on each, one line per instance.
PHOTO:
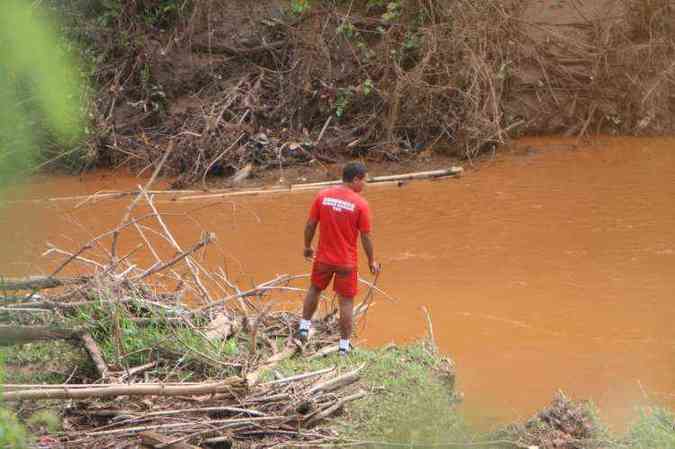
(345, 283)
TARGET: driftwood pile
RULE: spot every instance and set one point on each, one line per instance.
(207, 380)
(564, 424)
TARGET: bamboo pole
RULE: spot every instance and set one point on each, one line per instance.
(392, 179)
(124, 390)
(187, 195)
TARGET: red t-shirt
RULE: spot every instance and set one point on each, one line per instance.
(342, 214)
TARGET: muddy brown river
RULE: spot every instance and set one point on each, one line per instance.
(547, 267)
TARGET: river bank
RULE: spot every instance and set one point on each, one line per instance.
(408, 400)
(243, 86)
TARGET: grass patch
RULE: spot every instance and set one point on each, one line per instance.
(654, 429)
(12, 434)
(48, 362)
(411, 398)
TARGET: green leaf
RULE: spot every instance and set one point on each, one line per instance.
(40, 88)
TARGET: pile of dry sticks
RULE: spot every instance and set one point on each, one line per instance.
(207, 380)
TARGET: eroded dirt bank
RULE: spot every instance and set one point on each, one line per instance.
(253, 85)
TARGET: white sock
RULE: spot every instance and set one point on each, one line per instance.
(344, 345)
(305, 325)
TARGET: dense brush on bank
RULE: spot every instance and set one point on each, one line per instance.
(269, 83)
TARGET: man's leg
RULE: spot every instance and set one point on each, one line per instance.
(346, 288)
(320, 279)
(346, 317)
(311, 302)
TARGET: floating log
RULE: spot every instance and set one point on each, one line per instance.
(187, 195)
(452, 171)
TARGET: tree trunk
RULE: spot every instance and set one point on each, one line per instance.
(11, 335)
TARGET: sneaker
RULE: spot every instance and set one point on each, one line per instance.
(342, 352)
(303, 335)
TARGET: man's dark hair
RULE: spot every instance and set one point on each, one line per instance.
(353, 170)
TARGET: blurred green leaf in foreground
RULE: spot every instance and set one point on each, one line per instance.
(40, 95)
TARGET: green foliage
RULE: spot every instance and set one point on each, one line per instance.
(12, 434)
(393, 12)
(342, 100)
(346, 28)
(39, 89)
(300, 6)
(412, 41)
(368, 87)
(160, 14)
(137, 343)
(165, 13)
(45, 421)
(110, 11)
(654, 429)
(48, 362)
(133, 339)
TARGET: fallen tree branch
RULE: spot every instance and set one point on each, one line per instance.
(95, 354)
(208, 238)
(254, 377)
(323, 414)
(10, 335)
(124, 390)
(38, 283)
(238, 51)
(137, 198)
(155, 440)
(222, 422)
(337, 382)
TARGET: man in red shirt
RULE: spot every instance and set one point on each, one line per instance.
(341, 214)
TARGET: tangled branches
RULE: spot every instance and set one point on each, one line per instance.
(253, 85)
(181, 355)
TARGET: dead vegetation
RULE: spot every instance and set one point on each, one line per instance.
(243, 86)
(565, 424)
(166, 374)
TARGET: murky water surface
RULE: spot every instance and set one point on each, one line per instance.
(549, 267)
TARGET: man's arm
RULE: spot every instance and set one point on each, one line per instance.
(368, 248)
(310, 230)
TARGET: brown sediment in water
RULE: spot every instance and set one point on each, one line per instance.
(550, 266)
